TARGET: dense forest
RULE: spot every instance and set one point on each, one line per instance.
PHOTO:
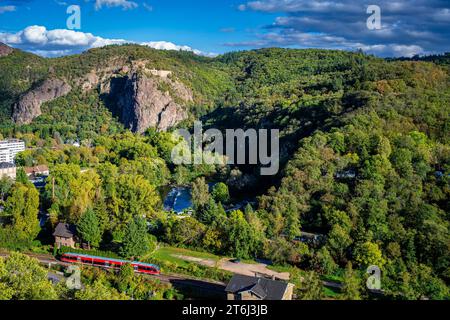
(365, 164)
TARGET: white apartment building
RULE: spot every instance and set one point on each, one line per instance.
(9, 149)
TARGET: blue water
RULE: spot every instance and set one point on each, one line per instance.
(178, 200)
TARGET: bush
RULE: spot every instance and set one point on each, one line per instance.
(11, 240)
(99, 253)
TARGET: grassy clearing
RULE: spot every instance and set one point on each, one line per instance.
(171, 254)
(167, 258)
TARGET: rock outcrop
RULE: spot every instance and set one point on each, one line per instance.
(143, 104)
(29, 105)
(5, 50)
(139, 97)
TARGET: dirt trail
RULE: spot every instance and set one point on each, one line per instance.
(248, 269)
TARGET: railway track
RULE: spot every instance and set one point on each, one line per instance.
(174, 279)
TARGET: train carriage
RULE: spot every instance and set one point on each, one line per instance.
(110, 263)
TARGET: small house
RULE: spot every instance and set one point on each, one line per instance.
(65, 235)
(242, 287)
(41, 170)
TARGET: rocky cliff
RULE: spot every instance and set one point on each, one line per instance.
(143, 105)
(5, 50)
(146, 98)
(138, 96)
(29, 105)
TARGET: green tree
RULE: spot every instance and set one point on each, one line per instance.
(187, 231)
(200, 193)
(242, 238)
(220, 193)
(99, 291)
(135, 196)
(24, 279)
(338, 241)
(6, 184)
(21, 176)
(351, 285)
(135, 242)
(368, 254)
(280, 251)
(23, 206)
(126, 281)
(323, 262)
(312, 287)
(89, 229)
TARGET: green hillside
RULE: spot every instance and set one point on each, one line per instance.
(365, 159)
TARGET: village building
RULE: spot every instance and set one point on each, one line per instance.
(10, 148)
(8, 169)
(243, 287)
(41, 170)
(65, 235)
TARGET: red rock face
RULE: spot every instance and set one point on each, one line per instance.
(5, 50)
(29, 105)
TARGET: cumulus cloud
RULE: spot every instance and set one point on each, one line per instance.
(39, 40)
(4, 9)
(408, 26)
(125, 4)
(59, 42)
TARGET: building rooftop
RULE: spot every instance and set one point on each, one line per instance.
(265, 289)
(11, 141)
(64, 230)
(36, 169)
(7, 165)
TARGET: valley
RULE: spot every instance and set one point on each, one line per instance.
(363, 177)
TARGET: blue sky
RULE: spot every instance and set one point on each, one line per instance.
(216, 26)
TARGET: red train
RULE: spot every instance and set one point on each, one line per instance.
(139, 267)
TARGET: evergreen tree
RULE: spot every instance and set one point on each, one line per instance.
(135, 242)
(220, 193)
(312, 287)
(243, 239)
(351, 286)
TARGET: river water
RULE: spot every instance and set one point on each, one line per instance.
(178, 199)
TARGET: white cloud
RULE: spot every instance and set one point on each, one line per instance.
(165, 45)
(394, 50)
(125, 4)
(329, 41)
(38, 38)
(300, 5)
(442, 15)
(59, 42)
(409, 27)
(7, 9)
(147, 6)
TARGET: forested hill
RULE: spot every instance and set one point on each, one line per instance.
(365, 145)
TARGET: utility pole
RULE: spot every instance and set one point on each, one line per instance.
(53, 188)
